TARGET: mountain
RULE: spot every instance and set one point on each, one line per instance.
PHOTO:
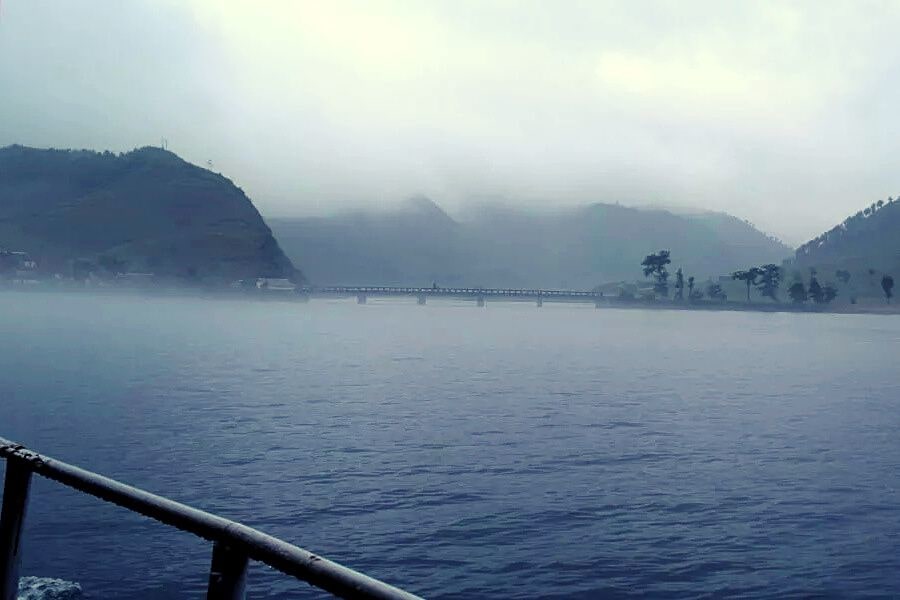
(868, 240)
(415, 242)
(418, 243)
(146, 210)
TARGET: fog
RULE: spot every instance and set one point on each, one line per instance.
(780, 113)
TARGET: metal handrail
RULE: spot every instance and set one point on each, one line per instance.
(234, 543)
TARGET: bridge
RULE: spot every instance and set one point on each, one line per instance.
(479, 295)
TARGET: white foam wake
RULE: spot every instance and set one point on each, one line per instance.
(45, 588)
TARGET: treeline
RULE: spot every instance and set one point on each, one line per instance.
(823, 294)
(656, 267)
(766, 279)
(850, 227)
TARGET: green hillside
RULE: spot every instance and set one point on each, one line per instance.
(146, 210)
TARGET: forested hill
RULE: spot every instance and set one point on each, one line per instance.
(146, 210)
(870, 239)
(418, 243)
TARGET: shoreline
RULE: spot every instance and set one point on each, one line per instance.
(604, 303)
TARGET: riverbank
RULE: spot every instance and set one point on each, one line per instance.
(311, 294)
(843, 309)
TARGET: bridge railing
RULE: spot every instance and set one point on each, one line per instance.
(234, 544)
(454, 291)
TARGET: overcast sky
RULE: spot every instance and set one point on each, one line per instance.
(783, 113)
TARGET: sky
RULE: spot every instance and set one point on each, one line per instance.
(783, 113)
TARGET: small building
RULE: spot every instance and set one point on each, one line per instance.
(275, 284)
(16, 261)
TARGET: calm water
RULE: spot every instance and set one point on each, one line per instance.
(505, 452)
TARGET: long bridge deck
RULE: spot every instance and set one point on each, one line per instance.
(478, 294)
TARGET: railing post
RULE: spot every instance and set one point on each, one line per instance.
(12, 517)
(227, 574)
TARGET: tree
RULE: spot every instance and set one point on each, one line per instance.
(879, 204)
(829, 293)
(655, 266)
(797, 292)
(887, 284)
(690, 287)
(815, 292)
(715, 292)
(844, 277)
(749, 277)
(679, 285)
(769, 281)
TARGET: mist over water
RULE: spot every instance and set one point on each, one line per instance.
(507, 452)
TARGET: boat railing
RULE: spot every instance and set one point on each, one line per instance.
(233, 544)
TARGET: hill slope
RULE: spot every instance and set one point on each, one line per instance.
(869, 239)
(148, 209)
(496, 246)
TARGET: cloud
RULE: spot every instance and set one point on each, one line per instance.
(780, 112)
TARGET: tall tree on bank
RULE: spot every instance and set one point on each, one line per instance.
(844, 277)
(815, 291)
(797, 292)
(887, 284)
(655, 266)
(679, 284)
(715, 292)
(769, 281)
(690, 285)
(749, 277)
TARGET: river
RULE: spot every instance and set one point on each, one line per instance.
(460, 452)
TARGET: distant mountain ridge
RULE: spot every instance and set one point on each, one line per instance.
(147, 210)
(418, 243)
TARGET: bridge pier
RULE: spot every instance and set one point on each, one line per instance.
(421, 299)
(479, 301)
(360, 298)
